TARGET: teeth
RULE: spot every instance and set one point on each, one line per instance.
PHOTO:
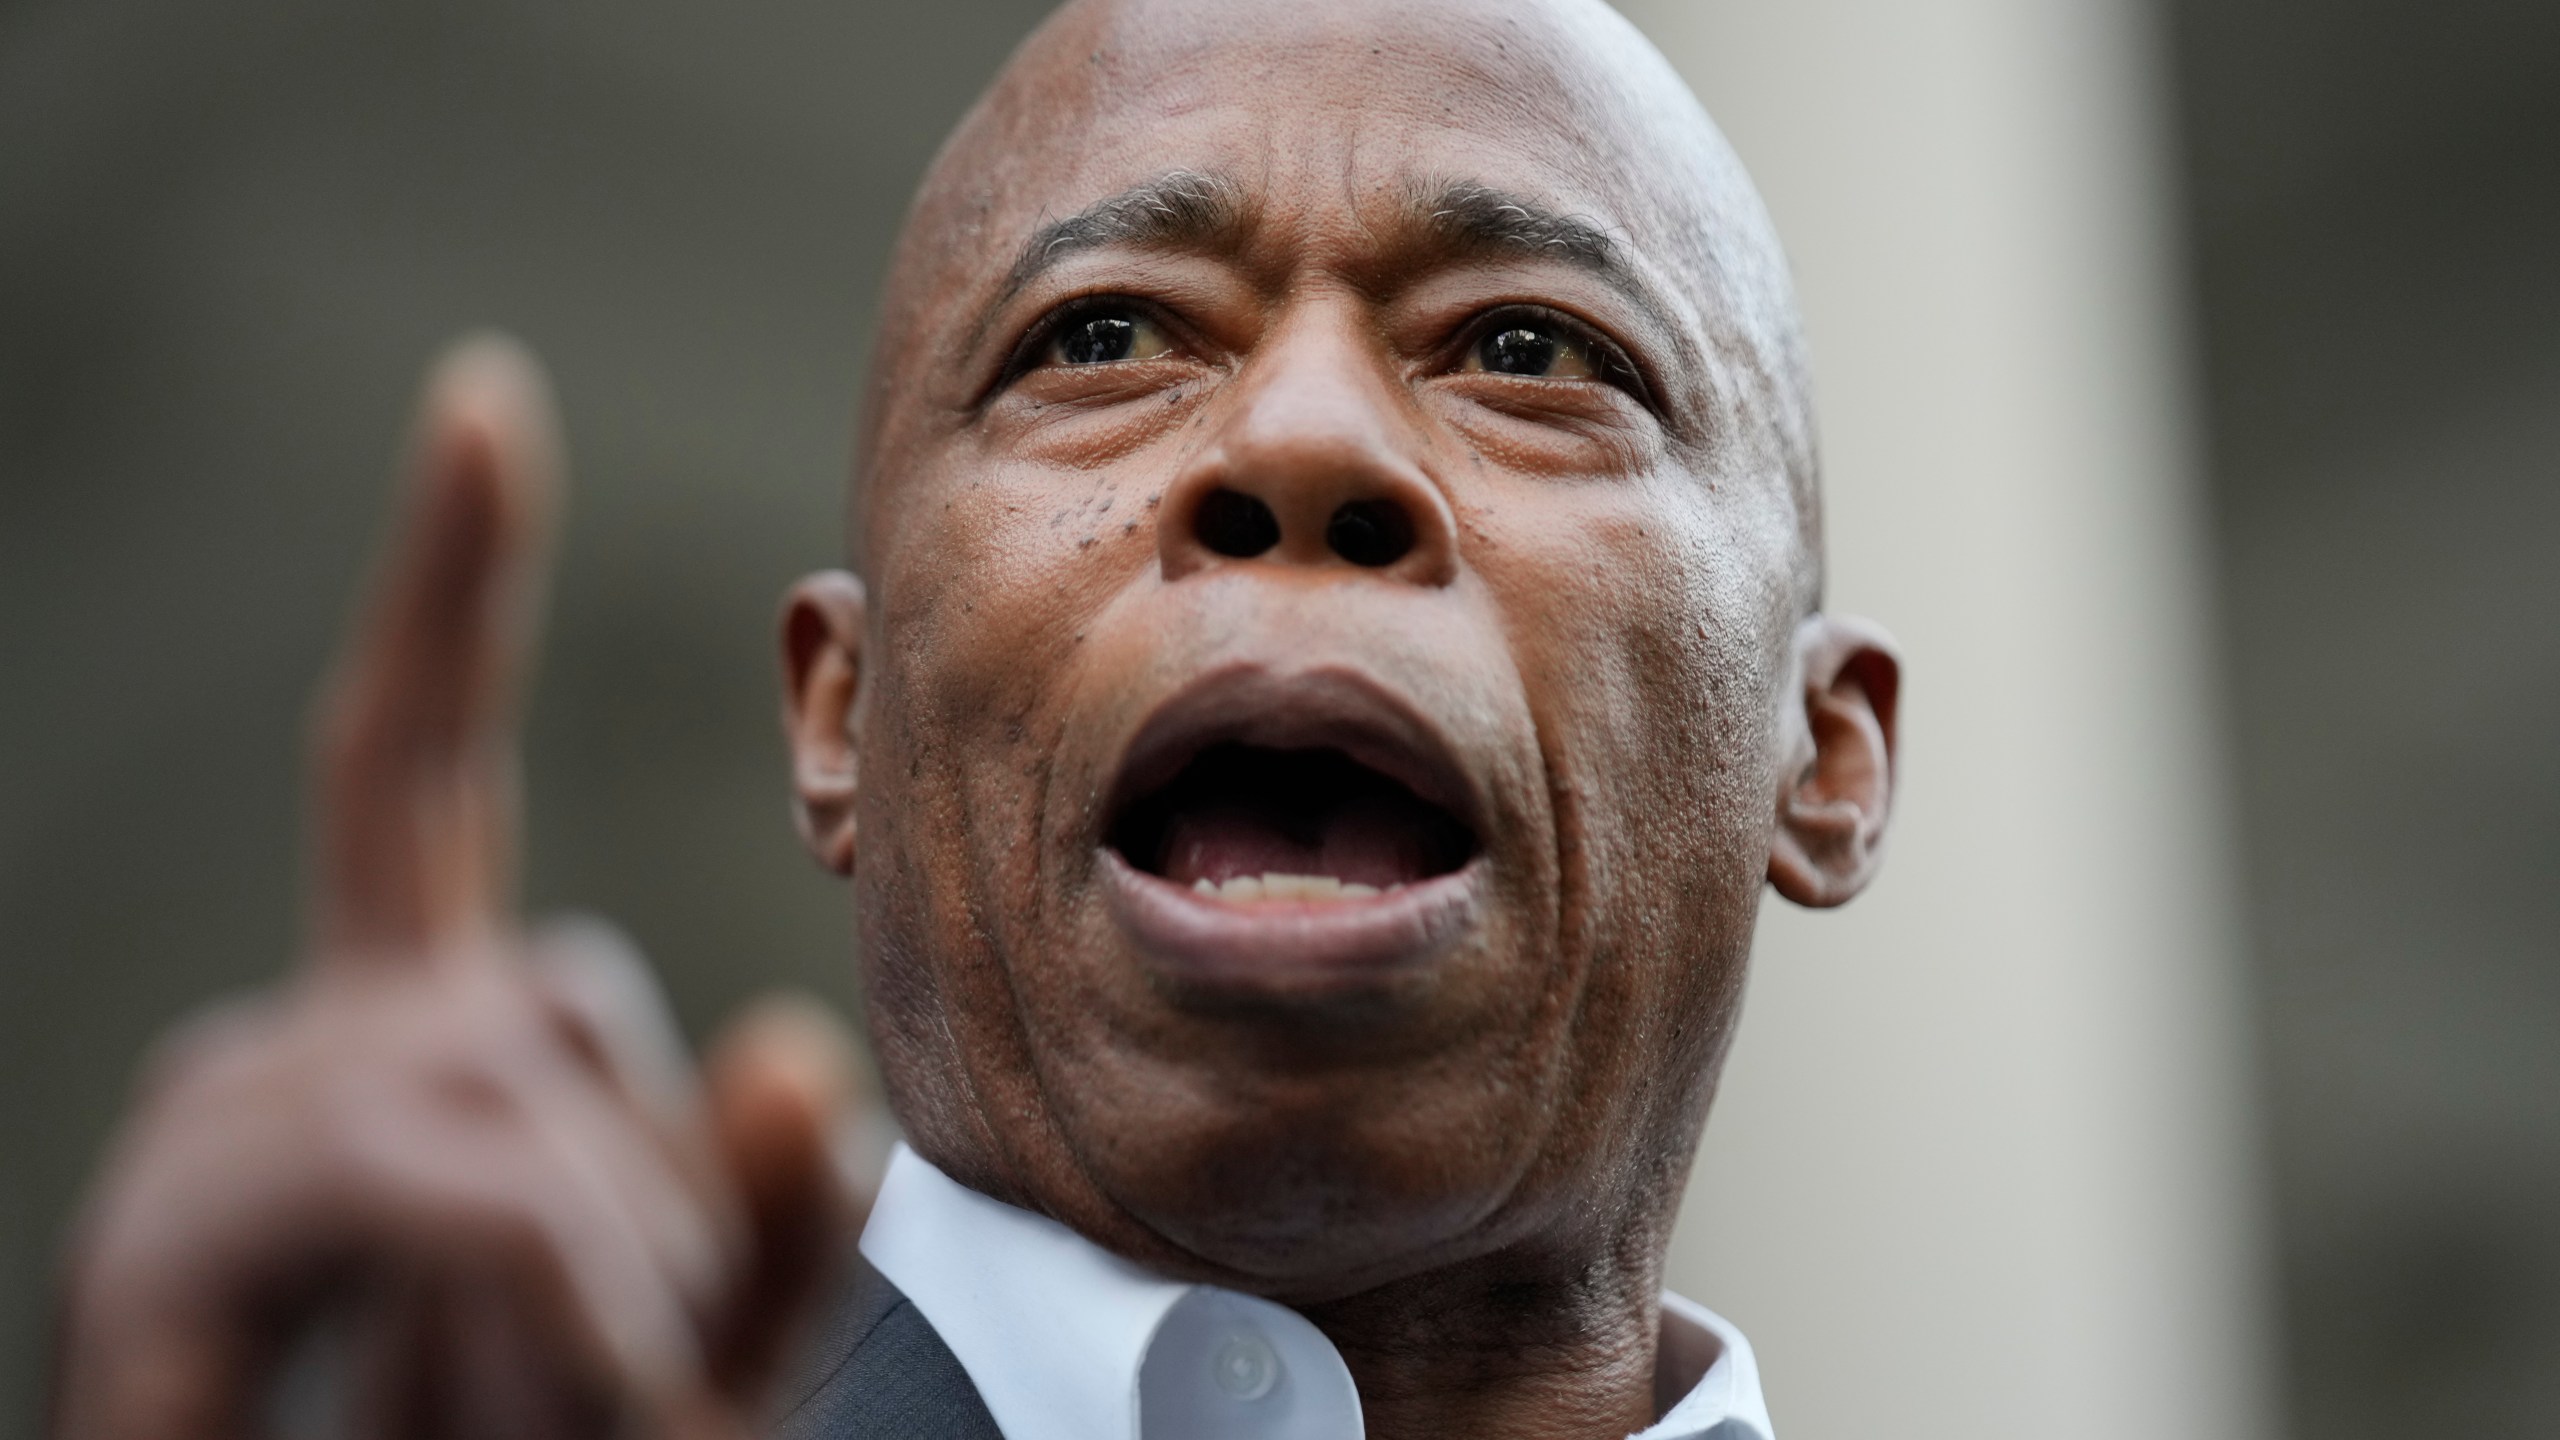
(1276, 886)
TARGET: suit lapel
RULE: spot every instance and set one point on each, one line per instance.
(878, 1370)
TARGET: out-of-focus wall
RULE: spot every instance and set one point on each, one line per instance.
(2376, 220)
(1982, 1165)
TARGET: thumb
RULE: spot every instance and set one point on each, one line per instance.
(781, 1083)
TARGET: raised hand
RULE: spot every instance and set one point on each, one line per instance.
(475, 1156)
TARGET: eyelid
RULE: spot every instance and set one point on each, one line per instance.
(1613, 363)
(1027, 352)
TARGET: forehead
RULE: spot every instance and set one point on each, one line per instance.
(1325, 111)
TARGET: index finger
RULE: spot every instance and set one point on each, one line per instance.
(414, 755)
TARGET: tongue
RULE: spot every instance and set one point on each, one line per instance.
(1364, 841)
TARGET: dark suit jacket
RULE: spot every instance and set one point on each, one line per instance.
(878, 1370)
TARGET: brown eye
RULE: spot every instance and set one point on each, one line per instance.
(1103, 336)
(1534, 348)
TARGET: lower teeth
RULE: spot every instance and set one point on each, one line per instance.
(1287, 887)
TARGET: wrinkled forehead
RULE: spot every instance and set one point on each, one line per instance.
(1332, 113)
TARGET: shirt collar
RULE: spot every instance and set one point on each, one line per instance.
(1067, 1341)
(1723, 1402)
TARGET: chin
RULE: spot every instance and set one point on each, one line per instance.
(1311, 1207)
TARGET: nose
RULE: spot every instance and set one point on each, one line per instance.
(1313, 462)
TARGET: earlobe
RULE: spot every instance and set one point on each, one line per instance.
(1835, 790)
(822, 629)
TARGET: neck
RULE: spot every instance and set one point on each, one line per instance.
(1506, 1347)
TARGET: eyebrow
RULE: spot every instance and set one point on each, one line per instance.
(1471, 218)
(1188, 209)
(1474, 217)
(1182, 208)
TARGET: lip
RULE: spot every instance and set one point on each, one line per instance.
(1281, 950)
(1293, 949)
(1325, 708)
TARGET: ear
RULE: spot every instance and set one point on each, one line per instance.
(1836, 790)
(822, 624)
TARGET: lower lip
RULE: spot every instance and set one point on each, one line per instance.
(1288, 949)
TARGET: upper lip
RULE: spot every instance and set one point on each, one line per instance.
(1329, 707)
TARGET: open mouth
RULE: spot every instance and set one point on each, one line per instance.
(1251, 823)
(1292, 836)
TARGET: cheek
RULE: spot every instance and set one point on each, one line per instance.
(1653, 633)
(985, 596)
(996, 576)
(1654, 639)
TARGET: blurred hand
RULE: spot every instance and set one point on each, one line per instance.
(479, 1154)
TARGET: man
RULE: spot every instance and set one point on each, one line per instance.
(1338, 657)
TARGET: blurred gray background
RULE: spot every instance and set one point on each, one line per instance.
(2375, 212)
(230, 238)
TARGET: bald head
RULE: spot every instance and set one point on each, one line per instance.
(1529, 124)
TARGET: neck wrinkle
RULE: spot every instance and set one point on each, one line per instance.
(1483, 1351)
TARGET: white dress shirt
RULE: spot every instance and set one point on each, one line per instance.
(1066, 1341)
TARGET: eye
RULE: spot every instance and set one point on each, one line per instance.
(1536, 347)
(1102, 335)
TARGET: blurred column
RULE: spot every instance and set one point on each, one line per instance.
(1984, 1162)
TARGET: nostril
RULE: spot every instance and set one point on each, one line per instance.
(1370, 532)
(1234, 523)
